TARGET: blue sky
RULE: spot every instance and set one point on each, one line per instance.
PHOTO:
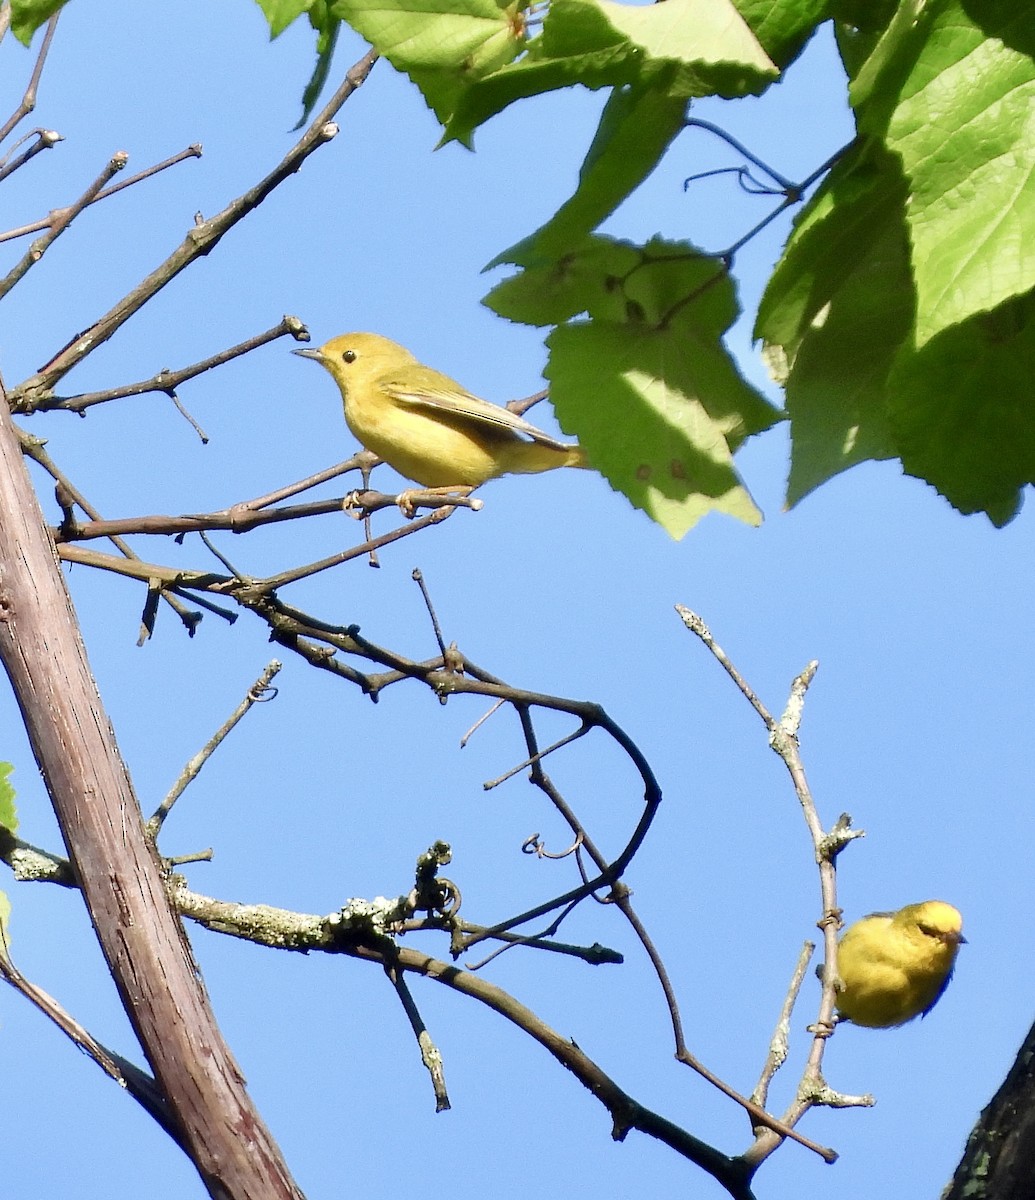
(918, 723)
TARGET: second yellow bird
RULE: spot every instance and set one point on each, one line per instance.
(895, 966)
(426, 425)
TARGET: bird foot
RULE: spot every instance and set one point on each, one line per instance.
(408, 500)
(352, 506)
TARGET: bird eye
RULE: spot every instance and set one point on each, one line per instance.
(349, 356)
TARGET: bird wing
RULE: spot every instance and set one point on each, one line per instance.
(435, 392)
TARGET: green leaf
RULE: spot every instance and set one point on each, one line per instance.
(637, 126)
(550, 293)
(577, 46)
(961, 409)
(28, 15)
(783, 29)
(8, 813)
(651, 364)
(671, 459)
(878, 81)
(281, 13)
(707, 36)
(325, 43)
(443, 45)
(703, 46)
(834, 316)
(965, 130)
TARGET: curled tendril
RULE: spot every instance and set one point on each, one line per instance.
(533, 845)
(748, 182)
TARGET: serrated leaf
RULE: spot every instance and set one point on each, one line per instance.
(834, 316)
(577, 46)
(550, 293)
(959, 408)
(670, 387)
(443, 45)
(671, 459)
(28, 15)
(596, 43)
(281, 13)
(8, 813)
(965, 129)
(783, 29)
(709, 36)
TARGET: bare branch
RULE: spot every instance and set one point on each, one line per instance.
(43, 244)
(29, 98)
(201, 240)
(49, 138)
(258, 692)
(165, 381)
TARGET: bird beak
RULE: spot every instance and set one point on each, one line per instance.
(315, 355)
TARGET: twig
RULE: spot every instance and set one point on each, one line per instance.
(778, 1044)
(45, 140)
(785, 184)
(69, 494)
(202, 238)
(259, 691)
(418, 579)
(48, 221)
(43, 244)
(783, 740)
(536, 758)
(141, 1086)
(430, 1054)
(520, 407)
(165, 380)
(480, 722)
(28, 102)
(295, 931)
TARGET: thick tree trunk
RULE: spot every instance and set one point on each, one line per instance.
(999, 1161)
(143, 941)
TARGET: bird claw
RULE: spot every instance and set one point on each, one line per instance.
(407, 505)
(408, 500)
(352, 506)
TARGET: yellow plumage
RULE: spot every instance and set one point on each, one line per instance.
(895, 966)
(425, 424)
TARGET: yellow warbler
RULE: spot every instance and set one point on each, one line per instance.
(426, 425)
(894, 966)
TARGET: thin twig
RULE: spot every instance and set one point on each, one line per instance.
(785, 184)
(430, 1054)
(537, 757)
(783, 740)
(43, 244)
(46, 139)
(780, 1041)
(203, 237)
(48, 221)
(28, 102)
(259, 691)
(69, 494)
(418, 579)
(165, 380)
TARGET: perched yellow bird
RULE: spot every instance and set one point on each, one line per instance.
(426, 425)
(894, 966)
